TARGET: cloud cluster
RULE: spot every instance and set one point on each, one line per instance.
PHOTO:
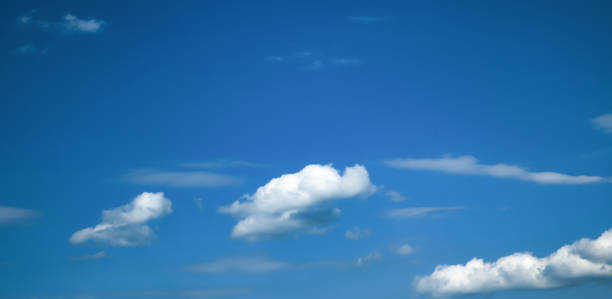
(357, 233)
(126, 225)
(468, 165)
(10, 215)
(570, 264)
(288, 204)
(603, 122)
(190, 179)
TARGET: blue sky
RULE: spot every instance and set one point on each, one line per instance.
(285, 149)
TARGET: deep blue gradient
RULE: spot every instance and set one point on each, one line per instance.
(175, 82)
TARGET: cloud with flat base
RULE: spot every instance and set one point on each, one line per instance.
(290, 203)
(580, 261)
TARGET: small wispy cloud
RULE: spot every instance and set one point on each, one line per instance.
(198, 202)
(190, 179)
(368, 259)
(406, 213)
(27, 17)
(314, 61)
(69, 24)
(404, 250)
(469, 165)
(239, 264)
(395, 196)
(603, 122)
(220, 164)
(9, 215)
(364, 19)
(29, 49)
(195, 293)
(89, 257)
(357, 233)
(75, 24)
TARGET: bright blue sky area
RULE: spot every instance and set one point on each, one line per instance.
(285, 84)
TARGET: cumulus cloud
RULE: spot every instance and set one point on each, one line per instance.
(73, 23)
(288, 204)
(126, 225)
(468, 165)
(404, 250)
(584, 259)
(239, 264)
(357, 233)
(368, 259)
(405, 213)
(10, 215)
(395, 196)
(603, 122)
(188, 179)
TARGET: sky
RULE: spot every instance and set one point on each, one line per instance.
(306, 149)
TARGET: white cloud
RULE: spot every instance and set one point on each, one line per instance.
(287, 204)
(603, 122)
(126, 225)
(10, 215)
(346, 61)
(404, 250)
(357, 233)
(89, 257)
(239, 264)
(180, 178)
(395, 196)
(368, 259)
(73, 23)
(570, 264)
(405, 213)
(468, 165)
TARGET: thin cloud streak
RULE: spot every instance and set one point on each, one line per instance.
(469, 165)
(406, 213)
(188, 179)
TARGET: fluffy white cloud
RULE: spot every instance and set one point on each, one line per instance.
(568, 265)
(395, 196)
(604, 122)
(12, 215)
(73, 23)
(405, 213)
(239, 264)
(126, 225)
(468, 165)
(404, 250)
(287, 204)
(189, 179)
(357, 233)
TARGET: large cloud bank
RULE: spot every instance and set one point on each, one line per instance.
(126, 225)
(288, 204)
(584, 259)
